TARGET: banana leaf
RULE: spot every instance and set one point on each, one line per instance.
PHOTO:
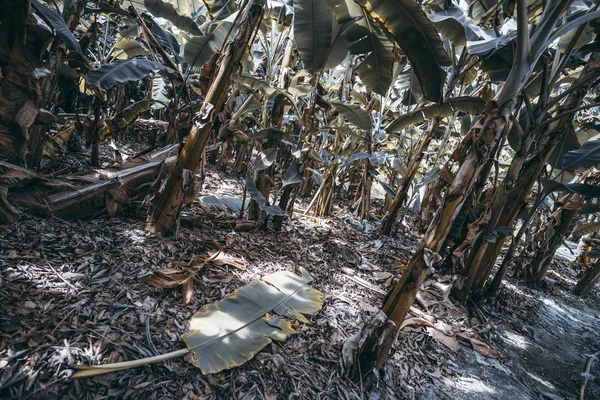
(585, 229)
(160, 9)
(466, 104)
(356, 115)
(417, 37)
(109, 75)
(319, 37)
(231, 331)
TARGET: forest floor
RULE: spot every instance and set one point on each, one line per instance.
(74, 293)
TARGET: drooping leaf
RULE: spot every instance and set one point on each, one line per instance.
(585, 229)
(132, 112)
(198, 50)
(470, 105)
(376, 69)
(583, 189)
(269, 91)
(356, 115)
(165, 38)
(292, 175)
(454, 24)
(109, 75)
(254, 193)
(318, 35)
(354, 157)
(220, 9)
(417, 37)
(430, 176)
(222, 203)
(497, 55)
(128, 48)
(265, 158)
(585, 157)
(231, 331)
(479, 8)
(160, 9)
(56, 21)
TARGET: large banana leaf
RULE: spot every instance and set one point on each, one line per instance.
(376, 69)
(231, 331)
(56, 21)
(319, 37)
(354, 113)
(160, 9)
(417, 37)
(454, 24)
(108, 75)
(198, 50)
(470, 105)
(585, 157)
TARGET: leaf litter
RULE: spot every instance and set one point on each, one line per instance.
(104, 291)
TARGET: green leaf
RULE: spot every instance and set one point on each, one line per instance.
(585, 157)
(160, 9)
(109, 75)
(354, 113)
(416, 35)
(345, 10)
(376, 69)
(254, 193)
(586, 228)
(354, 157)
(56, 21)
(198, 50)
(265, 158)
(469, 105)
(318, 36)
(583, 189)
(292, 175)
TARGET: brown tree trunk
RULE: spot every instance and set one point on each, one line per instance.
(509, 197)
(588, 280)
(22, 43)
(486, 134)
(388, 224)
(164, 213)
(561, 222)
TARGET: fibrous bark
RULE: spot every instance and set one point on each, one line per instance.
(165, 211)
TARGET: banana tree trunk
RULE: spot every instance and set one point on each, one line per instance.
(560, 222)
(164, 213)
(388, 224)
(588, 280)
(509, 197)
(487, 133)
(22, 42)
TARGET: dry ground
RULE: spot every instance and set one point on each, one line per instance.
(71, 293)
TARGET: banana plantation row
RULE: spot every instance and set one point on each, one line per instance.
(478, 119)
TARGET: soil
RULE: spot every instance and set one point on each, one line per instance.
(74, 293)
